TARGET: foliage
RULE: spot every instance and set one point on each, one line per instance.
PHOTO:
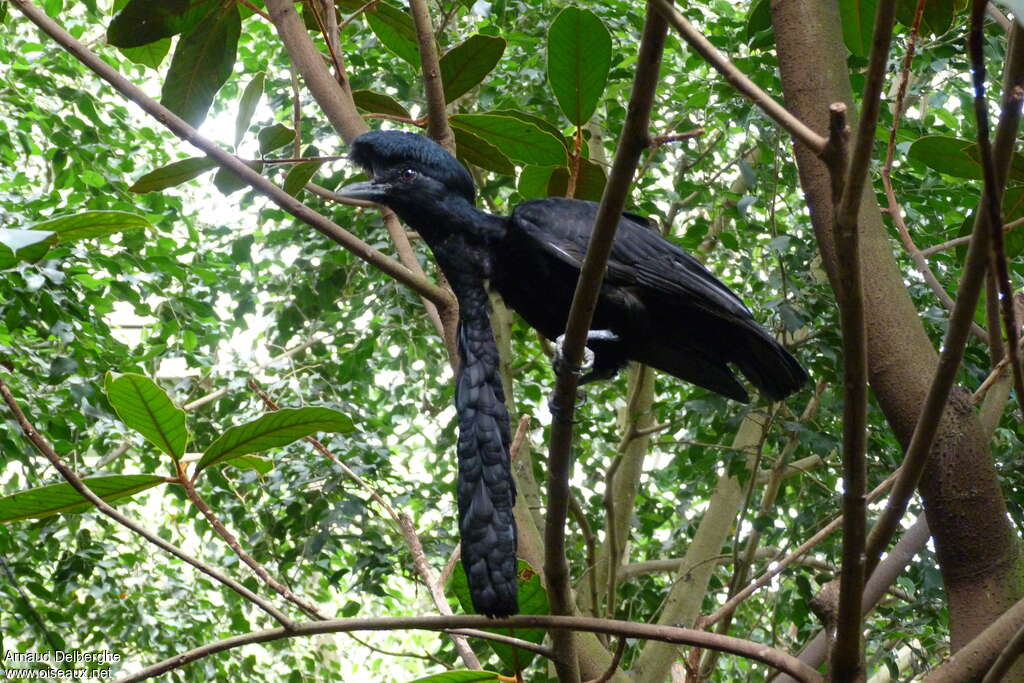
(186, 288)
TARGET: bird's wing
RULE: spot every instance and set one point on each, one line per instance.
(640, 257)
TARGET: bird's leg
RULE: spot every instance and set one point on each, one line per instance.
(585, 372)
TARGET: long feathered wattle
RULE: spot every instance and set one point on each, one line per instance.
(486, 490)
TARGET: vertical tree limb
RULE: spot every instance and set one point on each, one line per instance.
(847, 655)
(437, 118)
(632, 142)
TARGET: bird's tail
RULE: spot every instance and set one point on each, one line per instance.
(767, 364)
(486, 491)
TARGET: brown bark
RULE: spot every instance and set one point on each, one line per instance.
(977, 550)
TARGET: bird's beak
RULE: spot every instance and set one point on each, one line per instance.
(367, 191)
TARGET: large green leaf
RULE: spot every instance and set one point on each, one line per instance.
(395, 30)
(553, 181)
(141, 22)
(142, 405)
(543, 124)
(202, 63)
(227, 182)
(379, 103)
(948, 155)
(174, 173)
(247, 105)
(475, 150)
(517, 139)
(299, 175)
(56, 498)
(579, 57)
(150, 54)
(274, 137)
(33, 243)
(858, 17)
(273, 430)
(466, 64)
(533, 599)
(80, 226)
(937, 18)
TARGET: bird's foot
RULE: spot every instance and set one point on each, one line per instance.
(561, 412)
(561, 366)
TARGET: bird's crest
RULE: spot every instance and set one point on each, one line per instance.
(382, 148)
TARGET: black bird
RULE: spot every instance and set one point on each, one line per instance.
(658, 305)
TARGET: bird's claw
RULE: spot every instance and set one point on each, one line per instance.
(561, 366)
(559, 412)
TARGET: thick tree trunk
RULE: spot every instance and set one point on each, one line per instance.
(977, 550)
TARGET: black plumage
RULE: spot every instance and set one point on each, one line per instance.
(658, 305)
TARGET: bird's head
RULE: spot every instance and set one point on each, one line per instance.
(408, 171)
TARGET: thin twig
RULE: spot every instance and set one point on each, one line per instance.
(960, 241)
(355, 15)
(894, 210)
(779, 566)
(46, 450)
(232, 541)
(971, 282)
(613, 667)
(993, 193)
(405, 527)
(437, 118)
(746, 87)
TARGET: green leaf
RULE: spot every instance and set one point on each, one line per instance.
(460, 676)
(379, 103)
(299, 175)
(202, 63)
(858, 17)
(141, 22)
(247, 105)
(938, 15)
(473, 149)
(174, 173)
(543, 124)
(228, 183)
(56, 498)
(533, 599)
(252, 462)
(948, 155)
(150, 54)
(517, 139)
(142, 405)
(273, 430)
(17, 239)
(89, 224)
(23, 245)
(395, 30)
(274, 137)
(579, 58)
(552, 181)
(467, 64)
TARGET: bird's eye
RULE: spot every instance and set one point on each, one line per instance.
(408, 173)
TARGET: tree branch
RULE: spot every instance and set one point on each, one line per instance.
(960, 320)
(746, 87)
(46, 450)
(229, 161)
(847, 653)
(632, 142)
(437, 118)
(669, 634)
